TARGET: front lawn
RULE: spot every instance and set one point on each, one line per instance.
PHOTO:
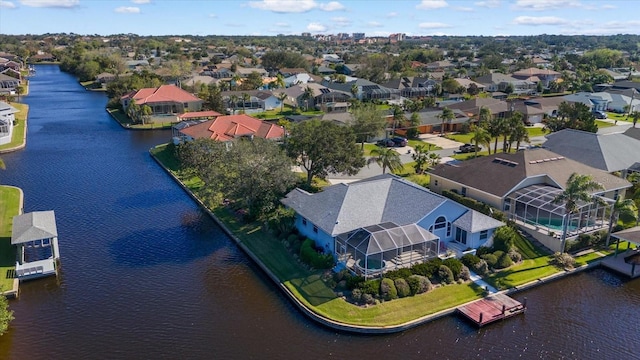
(18, 135)
(9, 207)
(604, 124)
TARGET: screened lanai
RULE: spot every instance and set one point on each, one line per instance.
(374, 249)
(534, 205)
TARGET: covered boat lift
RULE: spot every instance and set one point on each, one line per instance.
(36, 236)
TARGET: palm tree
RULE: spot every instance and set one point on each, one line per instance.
(512, 122)
(447, 115)
(282, 96)
(235, 80)
(496, 128)
(624, 209)
(579, 189)
(421, 157)
(434, 159)
(233, 99)
(484, 116)
(480, 136)
(245, 97)
(279, 82)
(354, 90)
(635, 116)
(634, 192)
(518, 134)
(385, 158)
(19, 91)
(307, 95)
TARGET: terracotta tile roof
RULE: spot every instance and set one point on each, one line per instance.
(164, 93)
(226, 128)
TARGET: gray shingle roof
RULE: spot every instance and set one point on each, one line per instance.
(473, 221)
(35, 225)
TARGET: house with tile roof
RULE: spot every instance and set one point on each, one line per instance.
(524, 186)
(231, 127)
(387, 220)
(471, 107)
(546, 76)
(164, 100)
(498, 82)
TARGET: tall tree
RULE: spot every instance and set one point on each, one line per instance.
(245, 97)
(307, 95)
(446, 116)
(412, 126)
(576, 116)
(579, 188)
(479, 135)
(623, 209)
(19, 91)
(420, 158)
(495, 127)
(233, 99)
(484, 116)
(323, 147)
(386, 158)
(282, 97)
(518, 134)
(367, 121)
(215, 99)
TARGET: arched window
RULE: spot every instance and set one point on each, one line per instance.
(441, 222)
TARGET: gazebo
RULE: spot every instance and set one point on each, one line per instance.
(36, 236)
(534, 205)
(372, 250)
(628, 261)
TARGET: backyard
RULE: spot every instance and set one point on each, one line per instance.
(17, 138)
(9, 207)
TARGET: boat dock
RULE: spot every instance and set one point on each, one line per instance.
(492, 308)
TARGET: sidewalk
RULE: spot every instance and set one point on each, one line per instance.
(478, 281)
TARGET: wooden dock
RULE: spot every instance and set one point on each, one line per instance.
(492, 308)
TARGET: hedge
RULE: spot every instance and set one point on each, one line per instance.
(310, 256)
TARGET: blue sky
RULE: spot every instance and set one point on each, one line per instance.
(272, 17)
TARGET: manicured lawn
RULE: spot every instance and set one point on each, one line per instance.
(528, 270)
(311, 290)
(587, 258)
(535, 131)
(604, 124)
(9, 207)
(471, 155)
(463, 138)
(276, 114)
(368, 147)
(123, 119)
(17, 138)
(430, 147)
(527, 249)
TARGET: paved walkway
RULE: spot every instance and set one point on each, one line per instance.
(440, 141)
(478, 281)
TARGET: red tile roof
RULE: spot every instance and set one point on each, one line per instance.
(164, 93)
(226, 128)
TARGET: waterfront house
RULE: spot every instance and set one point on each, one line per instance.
(164, 100)
(36, 236)
(256, 101)
(8, 84)
(524, 185)
(7, 118)
(388, 221)
(230, 127)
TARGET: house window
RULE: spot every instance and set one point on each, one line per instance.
(461, 236)
(185, 105)
(484, 234)
(463, 191)
(315, 229)
(507, 205)
(616, 194)
(440, 223)
(448, 229)
(304, 222)
(435, 182)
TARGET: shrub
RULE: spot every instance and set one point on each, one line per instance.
(504, 261)
(482, 250)
(563, 261)
(470, 260)
(402, 287)
(310, 256)
(455, 265)
(398, 274)
(490, 259)
(340, 275)
(465, 274)
(356, 295)
(445, 275)
(388, 289)
(292, 238)
(428, 269)
(515, 255)
(371, 287)
(354, 282)
(504, 238)
(419, 284)
(481, 267)
(498, 253)
(368, 299)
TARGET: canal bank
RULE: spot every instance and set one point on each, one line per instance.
(304, 305)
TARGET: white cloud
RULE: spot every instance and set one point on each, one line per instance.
(542, 5)
(331, 6)
(374, 24)
(433, 25)
(7, 4)
(539, 20)
(128, 10)
(392, 14)
(284, 6)
(608, 6)
(464, 8)
(316, 27)
(140, 1)
(50, 3)
(341, 21)
(488, 3)
(432, 4)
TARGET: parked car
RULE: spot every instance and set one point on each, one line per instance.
(386, 142)
(600, 114)
(399, 141)
(467, 148)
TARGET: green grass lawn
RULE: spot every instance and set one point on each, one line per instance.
(533, 131)
(277, 114)
(528, 270)
(619, 117)
(604, 124)
(17, 138)
(312, 291)
(430, 147)
(9, 207)
(123, 119)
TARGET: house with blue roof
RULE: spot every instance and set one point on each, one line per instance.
(386, 222)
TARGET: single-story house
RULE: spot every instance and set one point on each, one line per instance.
(230, 127)
(386, 222)
(164, 100)
(498, 82)
(105, 78)
(7, 118)
(471, 108)
(536, 75)
(8, 84)
(412, 86)
(524, 186)
(608, 152)
(320, 95)
(605, 101)
(258, 101)
(430, 121)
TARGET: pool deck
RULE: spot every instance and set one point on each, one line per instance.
(617, 263)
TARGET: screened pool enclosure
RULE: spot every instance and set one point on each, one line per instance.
(534, 205)
(372, 250)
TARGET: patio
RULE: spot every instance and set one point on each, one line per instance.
(376, 249)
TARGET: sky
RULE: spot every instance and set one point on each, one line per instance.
(293, 17)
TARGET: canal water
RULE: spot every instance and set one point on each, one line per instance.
(146, 275)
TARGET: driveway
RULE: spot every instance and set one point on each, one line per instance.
(440, 141)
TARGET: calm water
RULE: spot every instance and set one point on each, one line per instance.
(146, 275)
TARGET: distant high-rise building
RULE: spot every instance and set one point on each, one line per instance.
(397, 37)
(358, 36)
(306, 34)
(342, 36)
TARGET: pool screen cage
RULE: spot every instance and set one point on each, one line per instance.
(372, 250)
(535, 205)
